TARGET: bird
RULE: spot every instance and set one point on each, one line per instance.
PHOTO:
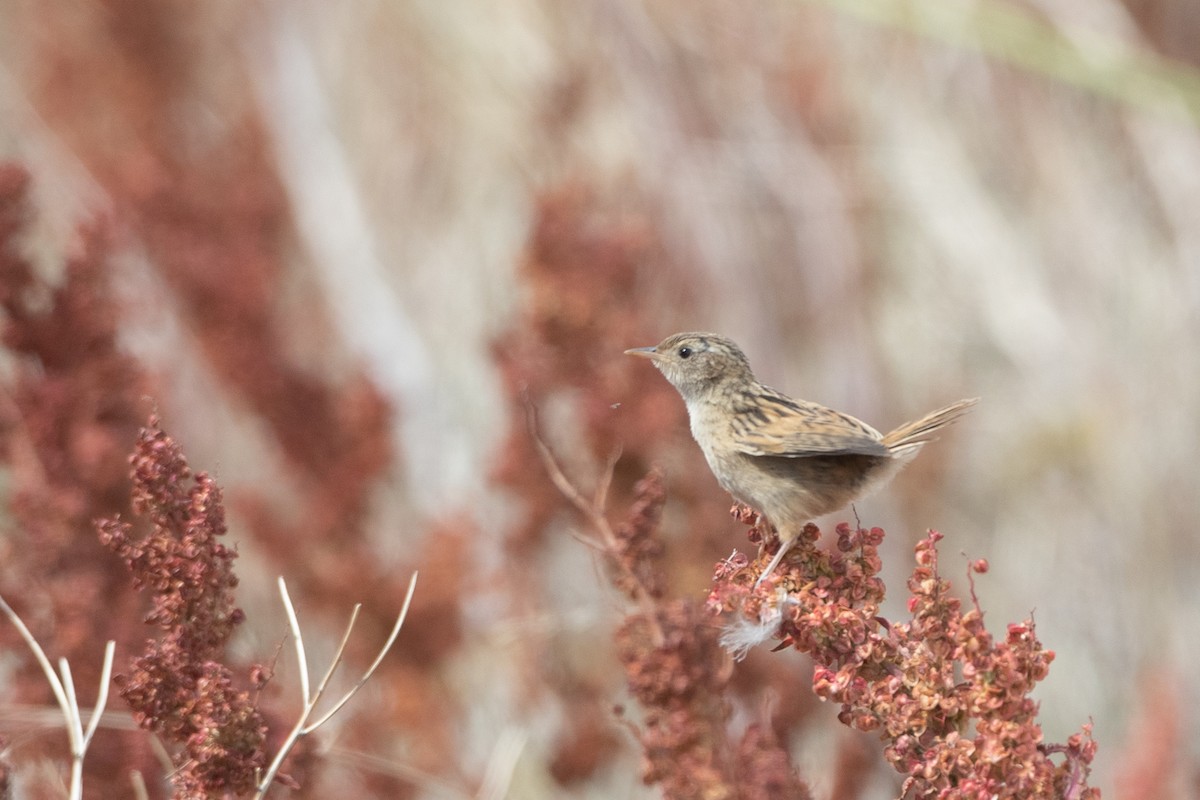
(791, 460)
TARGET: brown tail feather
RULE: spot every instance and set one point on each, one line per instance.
(908, 438)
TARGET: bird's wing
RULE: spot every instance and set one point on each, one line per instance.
(773, 424)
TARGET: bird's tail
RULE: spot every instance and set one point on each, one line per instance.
(905, 441)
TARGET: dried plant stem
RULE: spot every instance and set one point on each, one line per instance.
(498, 775)
(64, 692)
(305, 724)
(1105, 66)
(139, 785)
(593, 512)
(46, 717)
(429, 784)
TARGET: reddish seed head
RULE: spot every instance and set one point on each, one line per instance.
(922, 683)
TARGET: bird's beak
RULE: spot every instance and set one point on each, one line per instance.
(643, 352)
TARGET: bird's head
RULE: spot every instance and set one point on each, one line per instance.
(698, 364)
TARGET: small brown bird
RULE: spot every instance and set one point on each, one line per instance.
(791, 460)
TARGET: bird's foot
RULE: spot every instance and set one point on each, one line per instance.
(784, 547)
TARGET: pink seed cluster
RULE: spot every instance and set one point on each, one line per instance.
(178, 687)
(949, 701)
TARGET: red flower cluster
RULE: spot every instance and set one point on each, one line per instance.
(676, 670)
(678, 684)
(639, 550)
(178, 687)
(951, 704)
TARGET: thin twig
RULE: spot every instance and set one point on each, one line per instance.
(497, 777)
(594, 512)
(102, 697)
(412, 586)
(49, 716)
(74, 719)
(64, 692)
(566, 488)
(297, 637)
(139, 785)
(587, 541)
(601, 499)
(971, 585)
(47, 669)
(431, 785)
(338, 654)
(303, 727)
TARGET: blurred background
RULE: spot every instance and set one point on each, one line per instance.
(336, 244)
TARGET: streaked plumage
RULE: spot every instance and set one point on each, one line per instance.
(790, 459)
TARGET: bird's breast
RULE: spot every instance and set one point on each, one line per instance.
(711, 429)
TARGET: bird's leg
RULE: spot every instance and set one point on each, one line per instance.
(784, 546)
(767, 532)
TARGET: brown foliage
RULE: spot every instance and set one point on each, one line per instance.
(213, 220)
(66, 418)
(923, 686)
(678, 672)
(580, 270)
(950, 703)
(585, 303)
(179, 688)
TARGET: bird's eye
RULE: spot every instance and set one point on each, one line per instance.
(685, 352)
